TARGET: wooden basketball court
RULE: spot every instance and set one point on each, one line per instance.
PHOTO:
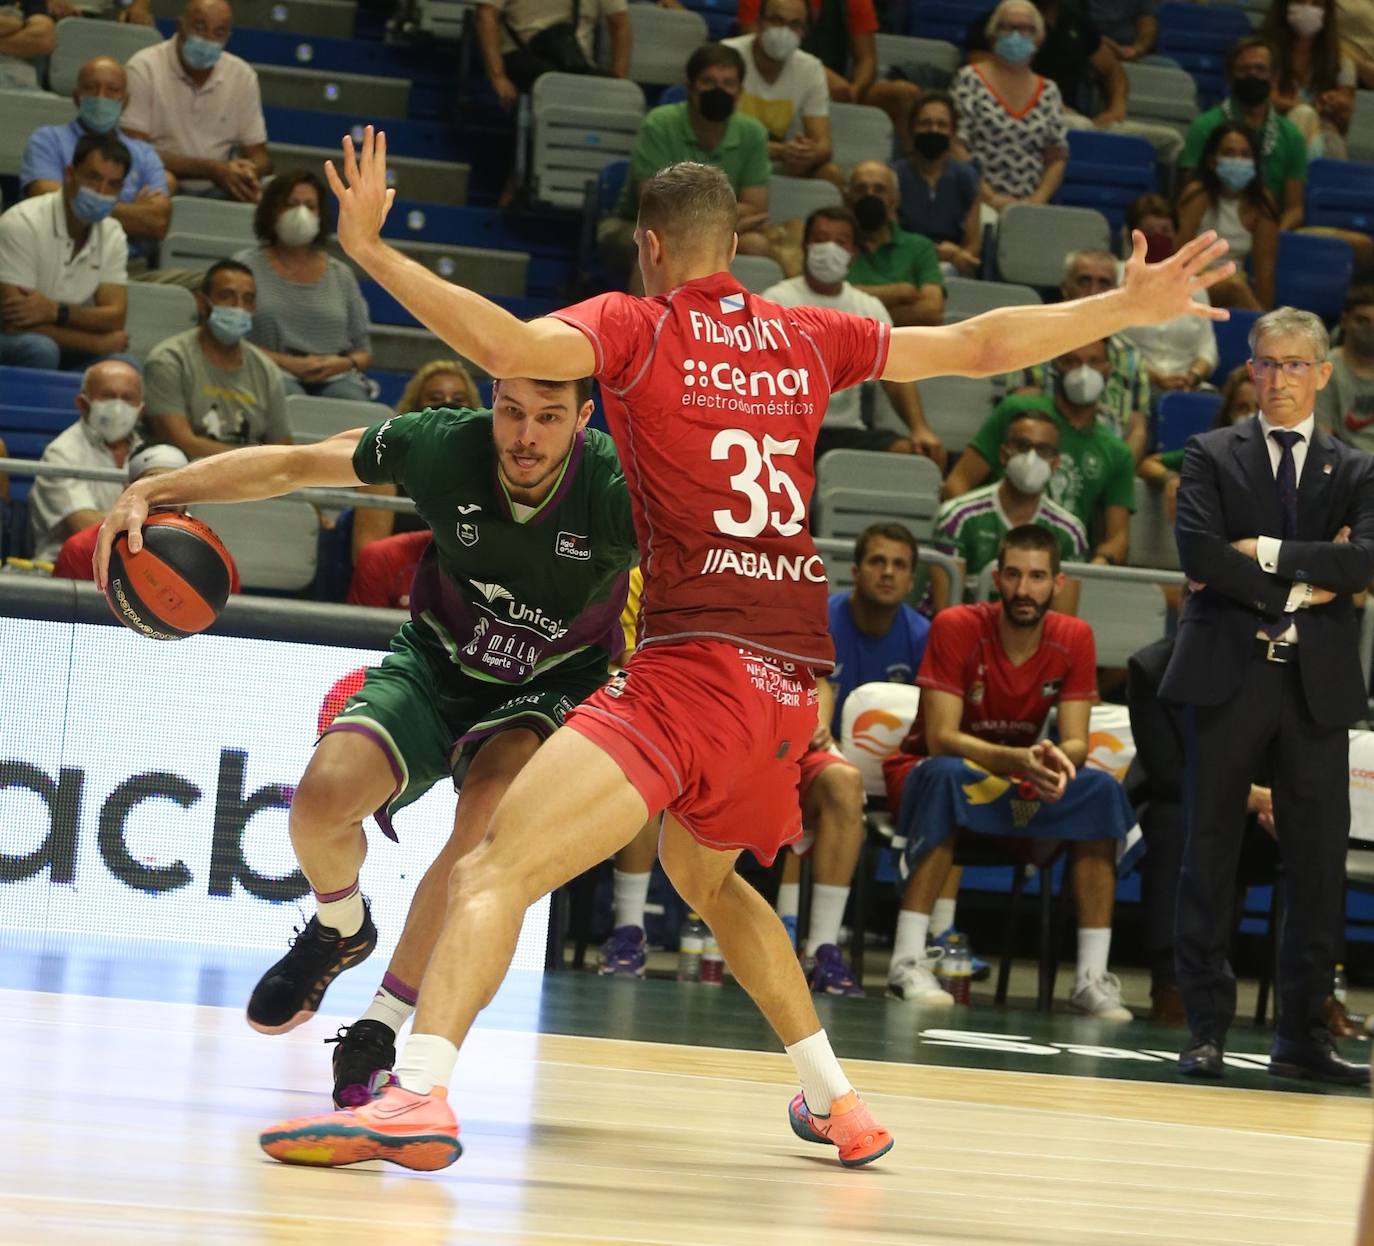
(136, 1121)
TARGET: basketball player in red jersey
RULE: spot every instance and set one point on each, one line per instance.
(714, 397)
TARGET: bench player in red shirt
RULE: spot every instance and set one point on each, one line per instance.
(714, 397)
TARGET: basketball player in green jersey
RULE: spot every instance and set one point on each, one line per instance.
(514, 613)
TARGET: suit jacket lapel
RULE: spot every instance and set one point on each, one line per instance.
(1314, 487)
(1253, 456)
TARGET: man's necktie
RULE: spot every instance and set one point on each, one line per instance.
(1287, 480)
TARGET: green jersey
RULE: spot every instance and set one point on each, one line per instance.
(508, 591)
(972, 526)
(1096, 468)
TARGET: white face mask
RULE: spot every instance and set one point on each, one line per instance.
(297, 226)
(827, 262)
(1083, 385)
(1028, 472)
(779, 42)
(1306, 19)
(112, 419)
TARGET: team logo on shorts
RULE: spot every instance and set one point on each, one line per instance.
(572, 545)
(467, 533)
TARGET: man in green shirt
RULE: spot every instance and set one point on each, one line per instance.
(901, 270)
(515, 613)
(706, 128)
(1095, 477)
(1250, 74)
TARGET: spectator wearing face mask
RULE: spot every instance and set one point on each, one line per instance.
(1314, 80)
(110, 402)
(208, 389)
(830, 247)
(1094, 480)
(785, 90)
(1346, 405)
(144, 208)
(971, 526)
(1227, 193)
(938, 195)
(899, 269)
(310, 318)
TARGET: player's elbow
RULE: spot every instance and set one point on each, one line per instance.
(985, 352)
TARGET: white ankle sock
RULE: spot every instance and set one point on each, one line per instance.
(942, 916)
(630, 894)
(827, 910)
(426, 1061)
(1094, 944)
(342, 911)
(789, 899)
(391, 1009)
(822, 1079)
(910, 943)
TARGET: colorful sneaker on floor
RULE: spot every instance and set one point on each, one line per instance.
(850, 1127)
(911, 980)
(289, 993)
(364, 1049)
(981, 969)
(830, 975)
(1100, 997)
(622, 955)
(415, 1131)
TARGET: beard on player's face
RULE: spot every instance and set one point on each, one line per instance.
(1021, 608)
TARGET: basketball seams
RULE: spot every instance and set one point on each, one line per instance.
(176, 585)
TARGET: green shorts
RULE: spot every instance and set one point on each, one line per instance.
(429, 718)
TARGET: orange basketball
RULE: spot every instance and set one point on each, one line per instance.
(176, 585)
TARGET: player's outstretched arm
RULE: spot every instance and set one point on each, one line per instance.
(1011, 338)
(246, 475)
(475, 327)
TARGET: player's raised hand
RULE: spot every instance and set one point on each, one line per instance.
(1159, 292)
(365, 199)
(126, 515)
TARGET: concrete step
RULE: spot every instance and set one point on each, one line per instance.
(290, 87)
(398, 349)
(478, 268)
(435, 181)
(298, 17)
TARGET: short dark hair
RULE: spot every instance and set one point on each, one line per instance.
(1034, 414)
(714, 56)
(1243, 45)
(223, 266)
(1029, 536)
(692, 205)
(832, 212)
(763, 8)
(935, 97)
(108, 146)
(582, 387)
(274, 197)
(888, 531)
(1359, 296)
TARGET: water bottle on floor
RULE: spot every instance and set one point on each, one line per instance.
(712, 962)
(691, 944)
(956, 968)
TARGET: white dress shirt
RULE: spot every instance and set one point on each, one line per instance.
(1267, 547)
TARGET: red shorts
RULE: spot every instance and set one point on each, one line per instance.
(813, 761)
(712, 733)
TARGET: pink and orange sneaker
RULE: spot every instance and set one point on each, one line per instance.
(850, 1127)
(415, 1131)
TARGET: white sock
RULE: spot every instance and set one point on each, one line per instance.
(1093, 946)
(390, 1009)
(827, 910)
(342, 911)
(789, 899)
(910, 943)
(426, 1061)
(631, 894)
(942, 916)
(822, 1079)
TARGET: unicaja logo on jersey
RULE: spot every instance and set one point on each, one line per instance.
(492, 592)
(729, 379)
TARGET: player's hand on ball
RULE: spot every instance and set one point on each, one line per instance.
(366, 199)
(1159, 292)
(126, 515)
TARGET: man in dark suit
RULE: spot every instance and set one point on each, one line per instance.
(1276, 524)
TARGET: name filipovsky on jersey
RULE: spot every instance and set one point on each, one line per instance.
(756, 333)
(755, 565)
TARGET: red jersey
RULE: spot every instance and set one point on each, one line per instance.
(385, 568)
(74, 558)
(714, 397)
(861, 15)
(1003, 704)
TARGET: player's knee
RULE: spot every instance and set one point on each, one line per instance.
(844, 789)
(327, 801)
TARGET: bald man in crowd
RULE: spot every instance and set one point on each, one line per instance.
(900, 269)
(201, 107)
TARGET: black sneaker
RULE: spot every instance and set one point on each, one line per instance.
(288, 994)
(364, 1049)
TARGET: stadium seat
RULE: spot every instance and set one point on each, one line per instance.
(1198, 37)
(414, 177)
(39, 388)
(316, 419)
(661, 40)
(23, 113)
(1181, 414)
(1340, 195)
(955, 407)
(197, 251)
(1233, 342)
(283, 47)
(80, 38)
(855, 488)
(1033, 239)
(756, 272)
(795, 198)
(43, 420)
(1152, 537)
(275, 544)
(965, 298)
(300, 17)
(290, 86)
(157, 312)
(1360, 139)
(578, 124)
(429, 140)
(1313, 273)
(1161, 93)
(897, 51)
(674, 94)
(859, 132)
(944, 21)
(213, 218)
(1107, 172)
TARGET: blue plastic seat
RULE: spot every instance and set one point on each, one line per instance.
(36, 387)
(309, 127)
(1340, 195)
(1313, 273)
(1233, 342)
(1182, 414)
(46, 419)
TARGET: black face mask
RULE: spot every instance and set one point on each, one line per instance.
(871, 213)
(1250, 92)
(716, 105)
(930, 144)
